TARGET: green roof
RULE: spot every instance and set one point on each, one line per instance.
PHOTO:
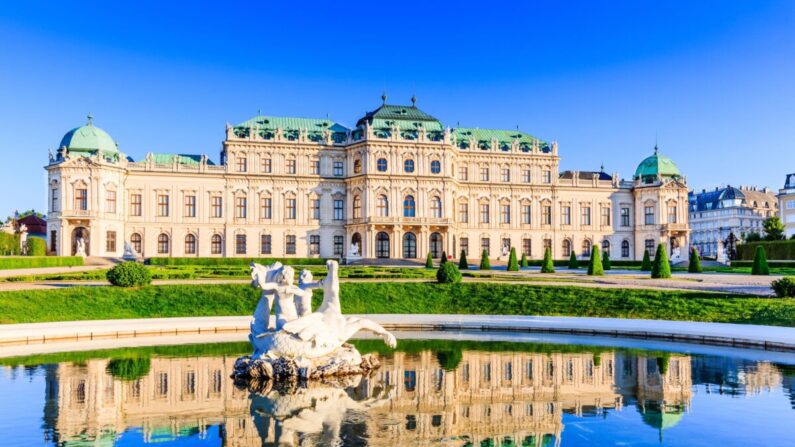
(88, 138)
(484, 137)
(657, 165)
(183, 159)
(406, 118)
(291, 127)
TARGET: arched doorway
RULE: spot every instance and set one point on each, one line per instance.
(382, 245)
(80, 241)
(409, 246)
(356, 245)
(436, 245)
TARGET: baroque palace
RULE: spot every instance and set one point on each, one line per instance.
(399, 184)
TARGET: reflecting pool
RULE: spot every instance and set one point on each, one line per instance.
(428, 392)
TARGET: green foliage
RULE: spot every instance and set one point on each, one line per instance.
(9, 244)
(129, 369)
(645, 266)
(37, 246)
(663, 362)
(778, 250)
(753, 237)
(774, 229)
(760, 266)
(573, 264)
(524, 262)
(443, 259)
(595, 267)
(513, 263)
(606, 261)
(235, 261)
(484, 260)
(548, 266)
(429, 261)
(129, 274)
(661, 269)
(448, 273)
(462, 261)
(30, 212)
(25, 262)
(695, 262)
(449, 359)
(784, 287)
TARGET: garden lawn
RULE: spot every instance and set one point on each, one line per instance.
(87, 303)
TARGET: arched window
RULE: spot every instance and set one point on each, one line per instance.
(409, 246)
(381, 165)
(566, 248)
(162, 243)
(436, 245)
(606, 247)
(357, 166)
(408, 166)
(436, 207)
(586, 248)
(625, 249)
(190, 244)
(137, 243)
(382, 245)
(216, 244)
(436, 167)
(383, 206)
(408, 206)
(357, 207)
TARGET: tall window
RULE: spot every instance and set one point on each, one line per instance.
(265, 247)
(216, 244)
(547, 244)
(484, 174)
(241, 163)
(606, 247)
(339, 209)
(382, 207)
(484, 213)
(265, 208)
(137, 242)
(190, 244)
(624, 217)
(408, 166)
(546, 176)
(381, 165)
(291, 169)
(162, 205)
(527, 247)
(289, 244)
(463, 212)
(408, 206)
(464, 244)
(240, 244)
(110, 202)
(135, 205)
(436, 207)
(54, 200)
(110, 241)
(585, 215)
(290, 209)
(190, 206)
(505, 175)
(625, 249)
(240, 207)
(566, 248)
(671, 214)
(314, 244)
(266, 165)
(436, 167)
(53, 240)
(586, 248)
(339, 169)
(357, 207)
(505, 213)
(605, 220)
(648, 212)
(81, 199)
(409, 245)
(357, 166)
(546, 215)
(314, 167)
(463, 173)
(485, 245)
(216, 206)
(314, 208)
(565, 215)
(649, 245)
(162, 243)
(526, 214)
(526, 177)
(339, 242)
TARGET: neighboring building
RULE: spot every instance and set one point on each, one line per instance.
(714, 214)
(786, 203)
(35, 225)
(399, 185)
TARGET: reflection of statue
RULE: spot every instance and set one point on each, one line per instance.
(354, 251)
(81, 247)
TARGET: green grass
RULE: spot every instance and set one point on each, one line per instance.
(26, 262)
(83, 303)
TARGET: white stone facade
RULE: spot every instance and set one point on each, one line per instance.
(786, 205)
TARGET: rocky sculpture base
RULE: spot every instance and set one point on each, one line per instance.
(345, 361)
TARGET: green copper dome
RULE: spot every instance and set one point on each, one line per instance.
(89, 138)
(656, 165)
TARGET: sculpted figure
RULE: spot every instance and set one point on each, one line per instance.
(280, 283)
(261, 275)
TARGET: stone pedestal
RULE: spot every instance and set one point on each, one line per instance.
(344, 361)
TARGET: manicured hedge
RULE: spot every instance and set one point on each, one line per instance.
(565, 263)
(37, 247)
(25, 262)
(9, 244)
(771, 264)
(235, 261)
(775, 250)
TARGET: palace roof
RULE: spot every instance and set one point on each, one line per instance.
(183, 159)
(484, 137)
(656, 166)
(292, 127)
(89, 138)
(731, 197)
(586, 175)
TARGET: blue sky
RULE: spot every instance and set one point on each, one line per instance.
(711, 81)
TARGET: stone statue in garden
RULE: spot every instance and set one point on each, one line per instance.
(81, 247)
(303, 344)
(354, 251)
(129, 252)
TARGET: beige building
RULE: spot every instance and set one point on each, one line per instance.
(398, 184)
(786, 199)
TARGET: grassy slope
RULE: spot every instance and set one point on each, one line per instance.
(81, 303)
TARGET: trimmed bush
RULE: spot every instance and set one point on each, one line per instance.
(771, 264)
(462, 261)
(513, 263)
(129, 274)
(524, 262)
(429, 261)
(236, 261)
(573, 264)
(548, 266)
(784, 287)
(695, 262)
(449, 358)
(595, 265)
(443, 258)
(9, 244)
(777, 250)
(645, 266)
(37, 246)
(129, 369)
(25, 262)
(484, 261)
(760, 266)
(606, 261)
(448, 273)
(661, 269)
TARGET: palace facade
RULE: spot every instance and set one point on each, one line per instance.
(399, 184)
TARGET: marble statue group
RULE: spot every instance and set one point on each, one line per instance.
(297, 341)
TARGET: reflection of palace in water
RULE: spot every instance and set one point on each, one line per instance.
(494, 397)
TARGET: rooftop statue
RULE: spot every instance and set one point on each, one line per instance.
(302, 343)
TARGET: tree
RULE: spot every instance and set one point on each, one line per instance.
(462, 262)
(661, 269)
(606, 260)
(513, 263)
(753, 237)
(760, 262)
(774, 229)
(448, 273)
(573, 264)
(524, 262)
(548, 266)
(484, 261)
(645, 266)
(695, 262)
(429, 261)
(595, 267)
(444, 257)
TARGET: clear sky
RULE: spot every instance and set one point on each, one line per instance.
(712, 81)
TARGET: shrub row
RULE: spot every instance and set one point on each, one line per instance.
(582, 263)
(775, 250)
(235, 261)
(9, 244)
(771, 264)
(24, 262)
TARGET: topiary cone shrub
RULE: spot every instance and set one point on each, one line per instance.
(448, 273)
(661, 269)
(645, 266)
(513, 263)
(595, 265)
(129, 274)
(695, 262)
(444, 258)
(548, 266)
(573, 264)
(462, 261)
(784, 287)
(37, 247)
(524, 262)
(760, 262)
(429, 261)
(606, 260)
(129, 369)
(484, 261)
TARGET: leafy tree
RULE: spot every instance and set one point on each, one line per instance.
(774, 229)
(444, 258)
(573, 264)
(27, 213)
(524, 262)
(645, 266)
(753, 237)
(484, 261)
(661, 269)
(462, 262)
(513, 263)
(429, 261)
(606, 260)
(760, 262)
(595, 267)
(695, 262)
(548, 266)
(448, 273)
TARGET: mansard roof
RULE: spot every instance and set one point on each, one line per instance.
(586, 175)
(291, 126)
(484, 137)
(730, 197)
(183, 159)
(405, 117)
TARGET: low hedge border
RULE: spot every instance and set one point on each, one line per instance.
(775, 250)
(771, 264)
(234, 261)
(26, 262)
(583, 263)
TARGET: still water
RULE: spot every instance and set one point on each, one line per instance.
(451, 393)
